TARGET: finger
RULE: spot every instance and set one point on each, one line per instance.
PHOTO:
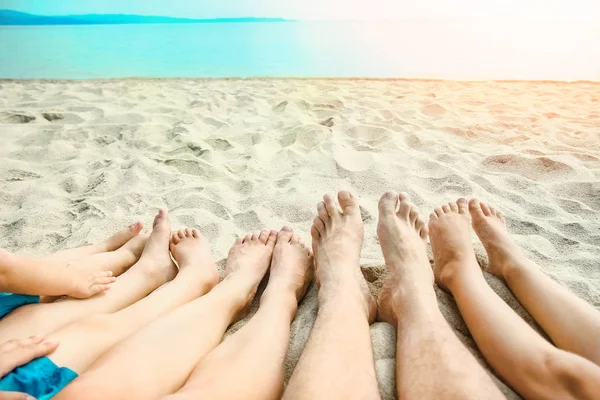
(101, 274)
(95, 289)
(104, 280)
(24, 354)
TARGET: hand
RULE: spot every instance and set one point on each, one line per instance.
(17, 352)
(87, 284)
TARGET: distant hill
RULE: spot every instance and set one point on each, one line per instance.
(10, 17)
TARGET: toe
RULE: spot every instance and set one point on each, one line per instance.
(285, 235)
(264, 235)
(475, 208)
(319, 224)
(272, 239)
(161, 221)
(188, 232)
(421, 228)
(239, 240)
(330, 205)
(486, 209)
(405, 205)
(439, 211)
(413, 215)
(136, 227)
(181, 233)
(462, 205)
(348, 202)
(433, 216)
(453, 207)
(446, 208)
(196, 233)
(248, 237)
(175, 238)
(388, 203)
(314, 233)
(255, 235)
(322, 212)
(295, 239)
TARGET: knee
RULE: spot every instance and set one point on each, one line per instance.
(569, 372)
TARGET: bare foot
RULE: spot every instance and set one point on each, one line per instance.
(156, 258)
(449, 232)
(337, 243)
(113, 243)
(503, 253)
(402, 234)
(247, 263)
(291, 268)
(192, 252)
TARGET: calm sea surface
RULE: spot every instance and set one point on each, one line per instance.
(450, 50)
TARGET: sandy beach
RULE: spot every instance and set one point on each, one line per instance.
(81, 159)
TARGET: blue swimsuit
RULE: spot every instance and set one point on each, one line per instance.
(40, 378)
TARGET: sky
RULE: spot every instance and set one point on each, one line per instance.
(319, 9)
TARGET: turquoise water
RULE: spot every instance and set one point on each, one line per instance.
(451, 50)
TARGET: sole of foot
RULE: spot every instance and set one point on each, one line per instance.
(292, 267)
(402, 233)
(155, 257)
(490, 227)
(449, 233)
(337, 236)
(192, 252)
(247, 263)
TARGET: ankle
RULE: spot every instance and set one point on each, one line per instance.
(283, 300)
(455, 272)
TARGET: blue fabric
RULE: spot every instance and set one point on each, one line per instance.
(9, 302)
(40, 378)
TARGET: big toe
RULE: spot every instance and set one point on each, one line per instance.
(285, 235)
(475, 208)
(388, 203)
(348, 202)
(161, 229)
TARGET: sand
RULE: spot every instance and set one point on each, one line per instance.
(79, 160)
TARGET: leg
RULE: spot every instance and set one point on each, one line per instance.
(431, 362)
(136, 283)
(528, 363)
(157, 360)
(111, 244)
(338, 359)
(260, 346)
(86, 340)
(571, 323)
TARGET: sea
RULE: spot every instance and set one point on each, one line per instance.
(445, 49)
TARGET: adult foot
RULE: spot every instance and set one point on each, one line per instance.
(402, 234)
(450, 237)
(247, 263)
(503, 253)
(191, 250)
(291, 268)
(337, 238)
(155, 257)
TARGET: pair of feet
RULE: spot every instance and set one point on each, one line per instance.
(338, 231)
(287, 258)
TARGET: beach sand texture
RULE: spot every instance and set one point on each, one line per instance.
(80, 160)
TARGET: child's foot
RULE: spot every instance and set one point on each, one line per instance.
(247, 263)
(503, 254)
(192, 253)
(402, 234)
(291, 269)
(337, 239)
(450, 237)
(112, 243)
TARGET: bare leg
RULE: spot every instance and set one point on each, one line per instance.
(573, 324)
(528, 363)
(111, 244)
(136, 283)
(157, 360)
(431, 362)
(84, 341)
(260, 346)
(338, 362)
